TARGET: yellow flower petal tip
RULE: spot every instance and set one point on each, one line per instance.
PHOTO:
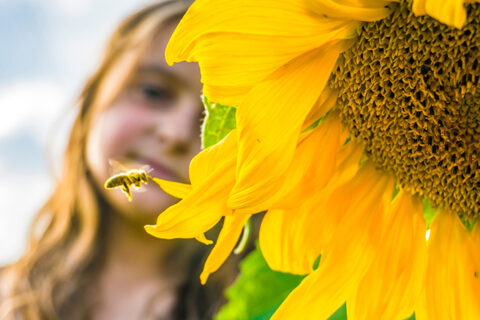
(204, 277)
(150, 229)
(175, 189)
(202, 239)
(228, 237)
(451, 12)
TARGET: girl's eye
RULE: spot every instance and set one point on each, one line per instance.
(153, 96)
(155, 93)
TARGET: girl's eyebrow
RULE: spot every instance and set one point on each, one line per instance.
(163, 73)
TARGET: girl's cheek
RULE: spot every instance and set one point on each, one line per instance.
(123, 125)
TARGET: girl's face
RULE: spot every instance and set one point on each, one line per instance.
(154, 121)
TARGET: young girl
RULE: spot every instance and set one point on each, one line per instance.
(88, 255)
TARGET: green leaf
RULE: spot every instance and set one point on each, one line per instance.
(340, 314)
(428, 212)
(219, 121)
(258, 290)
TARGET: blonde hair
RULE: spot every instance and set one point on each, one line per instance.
(64, 239)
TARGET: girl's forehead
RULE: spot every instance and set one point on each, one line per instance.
(154, 60)
(156, 51)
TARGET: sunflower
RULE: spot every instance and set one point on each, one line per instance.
(394, 88)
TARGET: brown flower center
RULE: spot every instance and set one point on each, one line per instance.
(409, 89)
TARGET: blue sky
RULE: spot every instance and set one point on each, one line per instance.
(48, 49)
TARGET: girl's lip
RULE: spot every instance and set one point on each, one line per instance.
(160, 171)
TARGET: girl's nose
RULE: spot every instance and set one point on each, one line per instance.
(180, 127)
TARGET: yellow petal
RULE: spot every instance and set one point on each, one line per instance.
(239, 43)
(228, 237)
(363, 10)
(212, 173)
(347, 163)
(311, 169)
(475, 256)
(452, 287)
(201, 238)
(451, 12)
(311, 166)
(350, 185)
(192, 216)
(269, 122)
(287, 239)
(349, 253)
(175, 189)
(321, 166)
(393, 284)
(204, 164)
(325, 102)
(283, 242)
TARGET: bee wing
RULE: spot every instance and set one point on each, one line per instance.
(116, 167)
(147, 168)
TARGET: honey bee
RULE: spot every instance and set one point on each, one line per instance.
(129, 179)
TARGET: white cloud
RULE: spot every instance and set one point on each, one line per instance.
(72, 7)
(29, 103)
(20, 201)
(24, 105)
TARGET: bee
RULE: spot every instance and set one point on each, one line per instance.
(129, 179)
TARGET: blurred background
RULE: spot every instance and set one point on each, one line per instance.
(48, 48)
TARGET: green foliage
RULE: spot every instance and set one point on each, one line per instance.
(469, 224)
(259, 291)
(219, 121)
(340, 314)
(428, 212)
